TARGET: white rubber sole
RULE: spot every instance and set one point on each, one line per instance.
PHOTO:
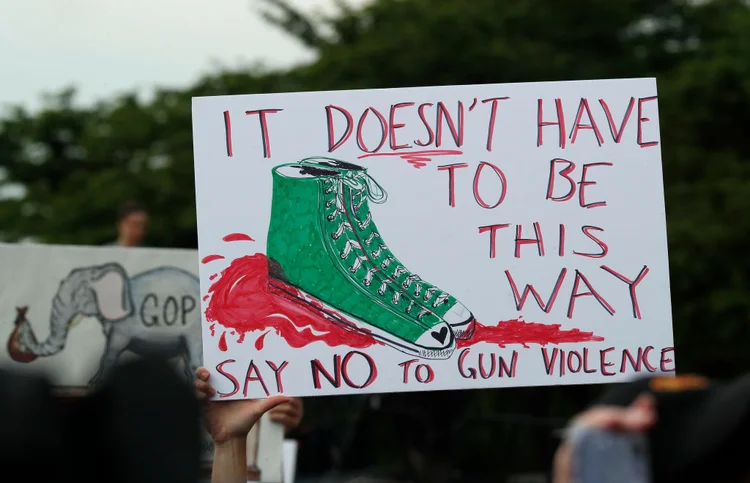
(351, 323)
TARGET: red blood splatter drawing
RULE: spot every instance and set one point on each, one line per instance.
(328, 276)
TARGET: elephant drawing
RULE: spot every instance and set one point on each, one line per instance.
(154, 311)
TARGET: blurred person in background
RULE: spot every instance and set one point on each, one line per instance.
(132, 222)
(142, 425)
(696, 428)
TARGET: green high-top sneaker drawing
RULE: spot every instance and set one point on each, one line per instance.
(359, 190)
(315, 259)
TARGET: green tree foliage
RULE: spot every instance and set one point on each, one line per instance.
(76, 165)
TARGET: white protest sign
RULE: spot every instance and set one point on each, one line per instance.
(432, 238)
(74, 312)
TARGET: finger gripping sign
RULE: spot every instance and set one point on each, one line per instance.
(431, 238)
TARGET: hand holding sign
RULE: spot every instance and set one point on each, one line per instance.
(288, 414)
(228, 420)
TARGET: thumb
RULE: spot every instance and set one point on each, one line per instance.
(262, 406)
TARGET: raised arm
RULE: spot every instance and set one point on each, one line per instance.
(228, 423)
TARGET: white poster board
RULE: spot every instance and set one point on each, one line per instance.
(73, 312)
(432, 238)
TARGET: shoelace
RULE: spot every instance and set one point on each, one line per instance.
(366, 185)
(363, 184)
(356, 179)
(352, 247)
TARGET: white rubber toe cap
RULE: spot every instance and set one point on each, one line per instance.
(458, 315)
(439, 337)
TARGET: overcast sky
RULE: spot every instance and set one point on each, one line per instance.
(108, 46)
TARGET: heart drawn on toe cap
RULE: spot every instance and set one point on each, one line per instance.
(440, 335)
